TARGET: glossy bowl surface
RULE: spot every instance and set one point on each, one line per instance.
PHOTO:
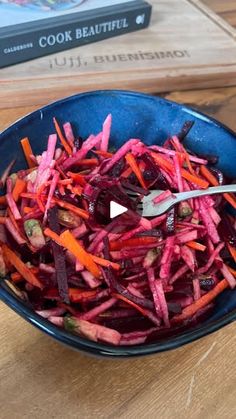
(135, 115)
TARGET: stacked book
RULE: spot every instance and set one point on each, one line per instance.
(34, 28)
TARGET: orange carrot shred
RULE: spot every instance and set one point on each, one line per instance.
(135, 168)
(25, 144)
(232, 251)
(3, 200)
(103, 153)
(67, 240)
(62, 138)
(20, 266)
(213, 181)
(70, 243)
(196, 246)
(20, 186)
(82, 213)
(190, 310)
(105, 262)
(52, 235)
(126, 173)
(131, 303)
(185, 174)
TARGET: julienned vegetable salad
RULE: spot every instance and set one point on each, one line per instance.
(123, 281)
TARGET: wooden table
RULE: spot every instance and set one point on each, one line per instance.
(39, 378)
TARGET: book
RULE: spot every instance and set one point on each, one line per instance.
(35, 28)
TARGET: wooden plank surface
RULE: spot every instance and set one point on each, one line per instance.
(186, 46)
(40, 379)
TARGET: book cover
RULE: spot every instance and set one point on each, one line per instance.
(34, 28)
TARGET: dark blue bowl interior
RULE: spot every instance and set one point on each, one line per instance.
(135, 115)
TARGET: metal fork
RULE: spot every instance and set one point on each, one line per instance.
(147, 208)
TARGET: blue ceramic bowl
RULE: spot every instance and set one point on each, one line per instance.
(135, 115)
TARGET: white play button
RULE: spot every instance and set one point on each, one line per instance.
(116, 209)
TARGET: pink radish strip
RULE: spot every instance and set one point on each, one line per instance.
(94, 312)
(166, 258)
(188, 256)
(228, 276)
(58, 321)
(87, 145)
(173, 153)
(158, 220)
(132, 341)
(90, 280)
(196, 289)
(79, 231)
(13, 206)
(57, 311)
(207, 221)
(69, 132)
(178, 173)
(187, 237)
(125, 148)
(106, 130)
(164, 195)
(152, 281)
(162, 301)
(52, 189)
(10, 227)
(211, 259)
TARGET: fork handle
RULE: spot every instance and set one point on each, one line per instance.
(202, 192)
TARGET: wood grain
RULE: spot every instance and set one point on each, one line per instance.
(41, 379)
(167, 55)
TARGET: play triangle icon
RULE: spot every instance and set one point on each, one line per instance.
(116, 209)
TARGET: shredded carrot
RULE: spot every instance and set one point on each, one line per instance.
(64, 181)
(135, 168)
(17, 277)
(70, 243)
(103, 153)
(232, 251)
(3, 200)
(188, 162)
(190, 310)
(105, 262)
(67, 240)
(76, 295)
(25, 144)
(194, 179)
(20, 266)
(131, 303)
(3, 220)
(52, 235)
(186, 175)
(87, 162)
(82, 213)
(28, 210)
(20, 186)
(196, 246)
(62, 138)
(77, 190)
(77, 178)
(233, 271)
(126, 173)
(213, 181)
(38, 197)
